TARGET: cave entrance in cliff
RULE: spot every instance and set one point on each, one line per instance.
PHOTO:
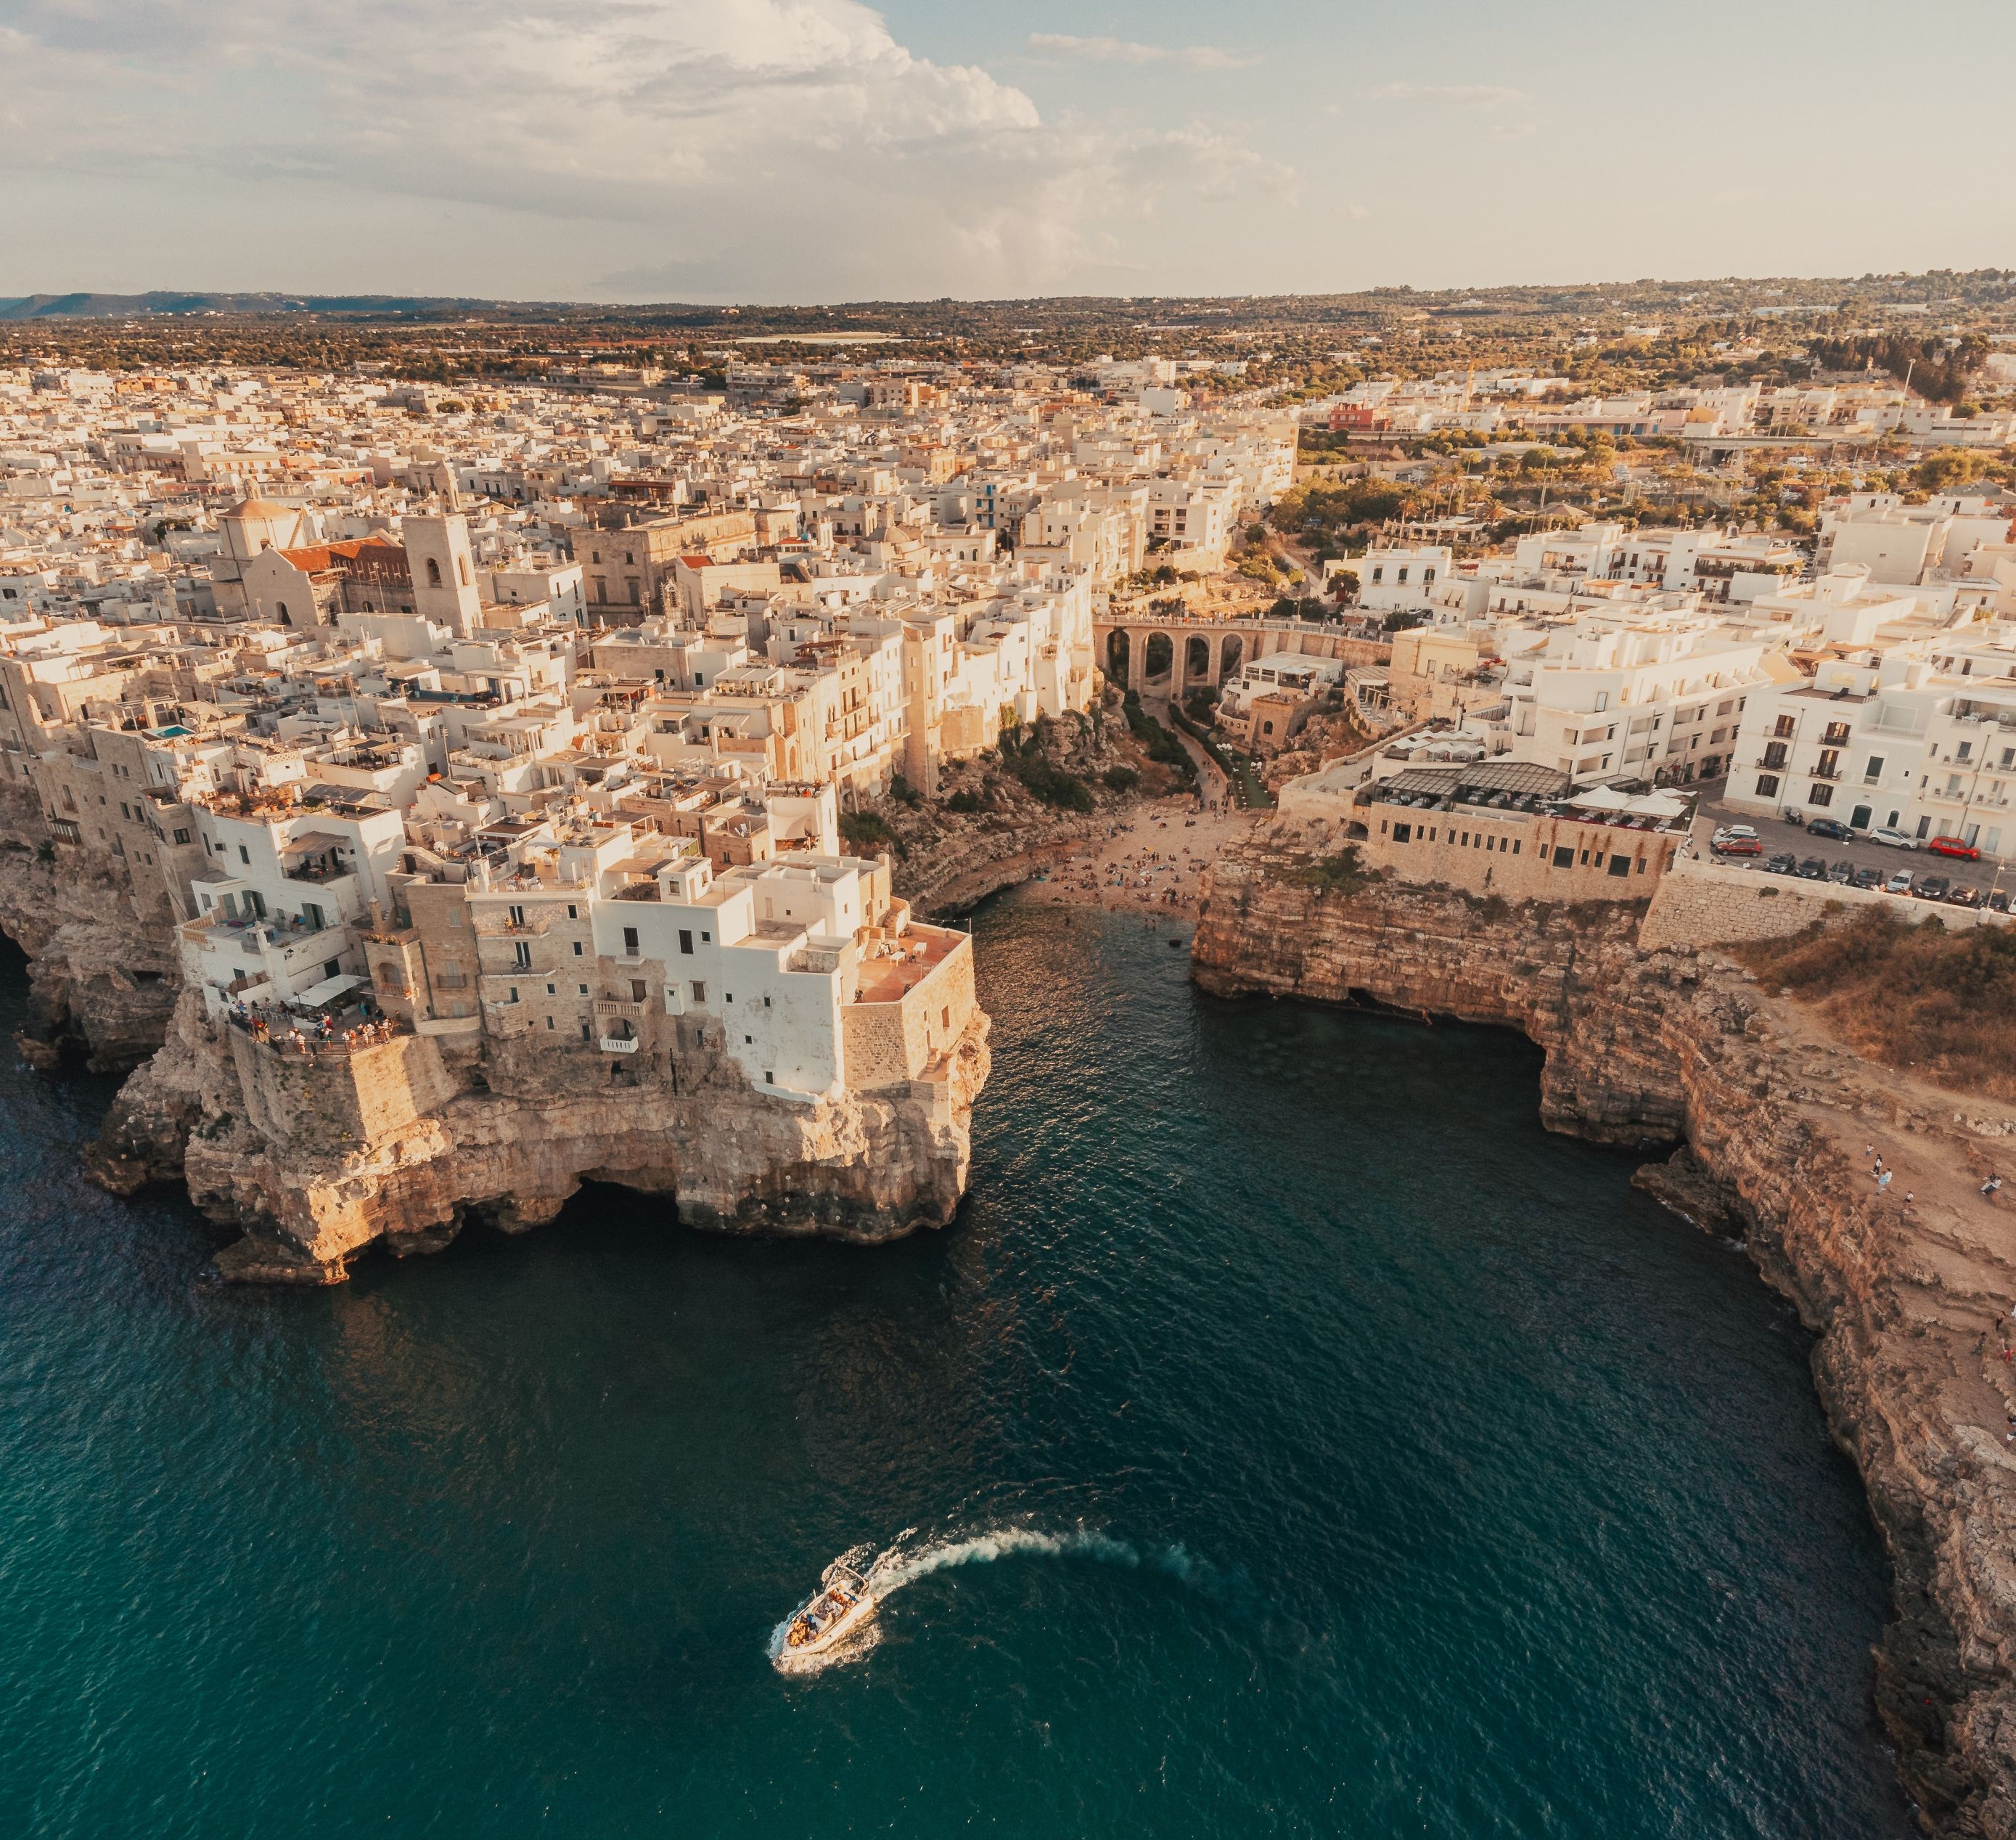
(1116, 657)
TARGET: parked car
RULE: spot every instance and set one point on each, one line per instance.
(1965, 898)
(1813, 869)
(1832, 828)
(1784, 863)
(1899, 884)
(1931, 887)
(1843, 872)
(1867, 878)
(1998, 902)
(1952, 846)
(1728, 830)
(1896, 839)
(1738, 846)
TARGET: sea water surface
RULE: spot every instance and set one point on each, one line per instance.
(1290, 1438)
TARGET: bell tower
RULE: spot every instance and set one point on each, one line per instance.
(443, 571)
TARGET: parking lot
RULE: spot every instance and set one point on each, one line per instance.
(1777, 836)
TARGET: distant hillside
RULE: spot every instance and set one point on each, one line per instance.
(96, 306)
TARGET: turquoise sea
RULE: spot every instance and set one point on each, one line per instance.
(1290, 1438)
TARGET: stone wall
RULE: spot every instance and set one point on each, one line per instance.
(325, 1100)
(1702, 902)
(887, 1042)
(1517, 855)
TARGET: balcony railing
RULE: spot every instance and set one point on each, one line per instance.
(619, 1044)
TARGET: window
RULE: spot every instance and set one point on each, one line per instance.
(636, 990)
(549, 1022)
(574, 913)
(1767, 785)
(698, 992)
(517, 915)
(766, 1003)
(1774, 753)
(244, 855)
(1873, 771)
(706, 938)
(1620, 865)
(1821, 794)
(1564, 856)
(630, 942)
(582, 988)
(514, 993)
(522, 953)
(578, 951)
(1784, 726)
(552, 990)
(433, 573)
(1602, 701)
(182, 837)
(769, 1078)
(685, 941)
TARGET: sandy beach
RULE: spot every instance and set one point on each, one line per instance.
(1153, 864)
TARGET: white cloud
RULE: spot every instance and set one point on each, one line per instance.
(745, 148)
(1475, 95)
(1121, 50)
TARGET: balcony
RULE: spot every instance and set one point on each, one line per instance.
(499, 927)
(613, 1009)
(619, 1044)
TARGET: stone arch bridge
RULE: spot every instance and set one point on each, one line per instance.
(1171, 657)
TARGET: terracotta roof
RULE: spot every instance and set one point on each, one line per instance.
(372, 555)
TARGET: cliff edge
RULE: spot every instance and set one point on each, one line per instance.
(1677, 1043)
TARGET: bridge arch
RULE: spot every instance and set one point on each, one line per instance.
(1158, 657)
(1118, 644)
(1231, 655)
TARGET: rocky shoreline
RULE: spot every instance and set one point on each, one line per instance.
(1678, 1045)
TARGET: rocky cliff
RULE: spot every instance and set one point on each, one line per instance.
(103, 973)
(317, 1156)
(1774, 1121)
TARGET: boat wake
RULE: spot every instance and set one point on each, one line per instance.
(907, 1560)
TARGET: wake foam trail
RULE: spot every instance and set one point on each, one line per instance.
(904, 1564)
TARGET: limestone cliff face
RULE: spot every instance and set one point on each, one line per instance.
(1678, 1044)
(103, 972)
(317, 1157)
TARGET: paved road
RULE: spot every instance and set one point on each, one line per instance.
(1777, 835)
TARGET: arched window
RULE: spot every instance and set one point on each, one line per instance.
(284, 620)
(433, 573)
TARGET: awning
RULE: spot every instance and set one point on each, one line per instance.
(1604, 798)
(327, 992)
(1658, 805)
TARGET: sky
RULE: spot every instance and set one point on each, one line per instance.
(783, 151)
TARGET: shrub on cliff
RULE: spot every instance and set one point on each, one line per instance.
(1341, 874)
(1121, 778)
(1942, 1003)
(1049, 782)
(868, 834)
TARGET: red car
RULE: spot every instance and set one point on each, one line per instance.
(1739, 846)
(1952, 846)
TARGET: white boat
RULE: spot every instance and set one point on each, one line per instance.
(842, 1604)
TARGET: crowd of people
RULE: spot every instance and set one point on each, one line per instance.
(292, 1033)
